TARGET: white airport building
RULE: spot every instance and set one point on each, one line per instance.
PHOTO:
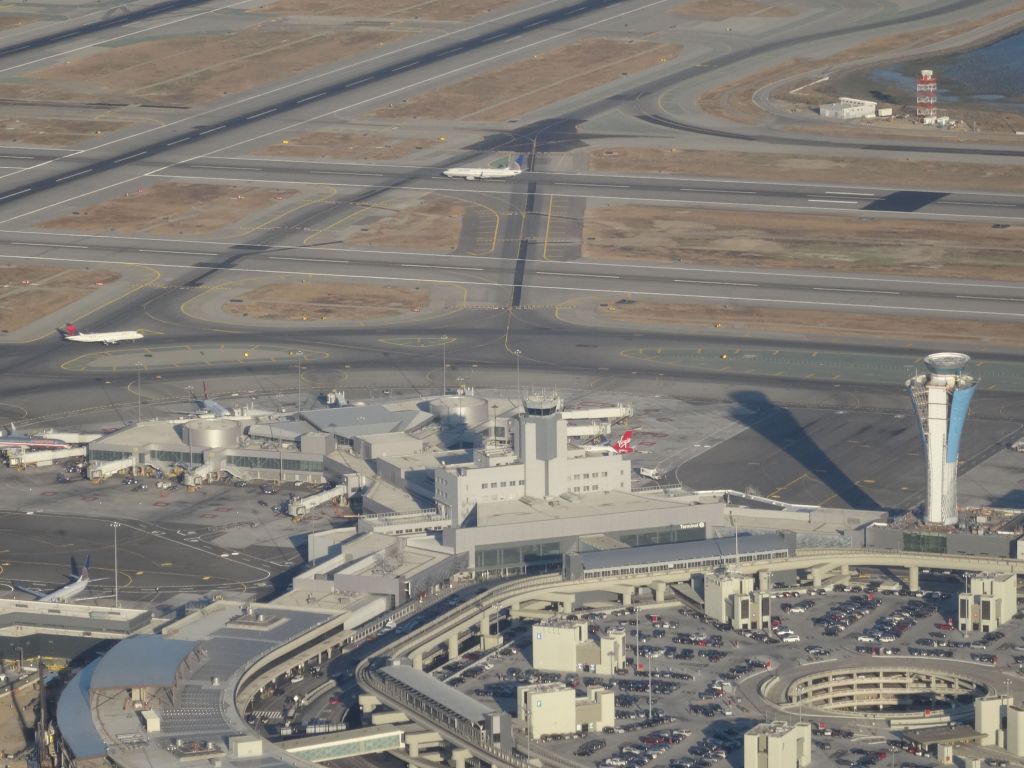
(549, 709)
(562, 645)
(777, 745)
(848, 109)
(731, 598)
(989, 602)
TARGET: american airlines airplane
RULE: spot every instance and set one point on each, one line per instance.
(71, 333)
(623, 445)
(14, 440)
(514, 168)
(66, 593)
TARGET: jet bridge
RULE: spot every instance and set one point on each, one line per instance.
(101, 469)
(44, 458)
(609, 412)
(301, 506)
(199, 474)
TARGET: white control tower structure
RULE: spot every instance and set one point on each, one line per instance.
(941, 399)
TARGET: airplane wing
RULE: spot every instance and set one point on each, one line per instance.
(34, 593)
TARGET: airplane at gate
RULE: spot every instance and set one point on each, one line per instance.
(66, 593)
(15, 440)
(623, 445)
(71, 333)
(514, 168)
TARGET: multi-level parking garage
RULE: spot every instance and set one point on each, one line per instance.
(886, 686)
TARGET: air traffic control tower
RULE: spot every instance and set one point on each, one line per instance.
(941, 398)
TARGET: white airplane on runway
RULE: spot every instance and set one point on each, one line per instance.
(514, 168)
(71, 333)
(66, 593)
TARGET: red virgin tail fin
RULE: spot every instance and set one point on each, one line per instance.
(70, 329)
(625, 443)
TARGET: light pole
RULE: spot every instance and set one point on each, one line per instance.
(117, 598)
(519, 391)
(444, 365)
(138, 389)
(280, 453)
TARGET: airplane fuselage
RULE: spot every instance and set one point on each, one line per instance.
(105, 338)
(481, 173)
(65, 594)
(29, 441)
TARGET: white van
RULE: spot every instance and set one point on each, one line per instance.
(650, 474)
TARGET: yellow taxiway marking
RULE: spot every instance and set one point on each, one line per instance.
(419, 341)
(547, 228)
(781, 488)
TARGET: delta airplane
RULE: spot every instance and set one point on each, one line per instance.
(71, 333)
(66, 593)
(623, 445)
(514, 168)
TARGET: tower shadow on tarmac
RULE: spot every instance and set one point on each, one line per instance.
(778, 426)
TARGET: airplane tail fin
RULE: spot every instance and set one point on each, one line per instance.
(516, 164)
(83, 575)
(70, 329)
(625, 443)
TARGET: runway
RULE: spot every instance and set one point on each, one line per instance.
(548, 283)
(364, 86)
(112, 19)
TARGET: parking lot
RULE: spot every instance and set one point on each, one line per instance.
(693, 694)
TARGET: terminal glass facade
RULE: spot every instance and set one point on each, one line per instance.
(535, 557)
(95, 454)
(924, 542)
(546, 556)
(660, 536)
(177, 457)
(275, 462)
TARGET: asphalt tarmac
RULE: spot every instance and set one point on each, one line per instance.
(834, 458)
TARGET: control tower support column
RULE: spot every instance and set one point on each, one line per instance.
(941, 398)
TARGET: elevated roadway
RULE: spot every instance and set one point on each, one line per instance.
(552, 588)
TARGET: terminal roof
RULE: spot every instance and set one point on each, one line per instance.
(533, 510)
(141, 661)
(75, 716)
(363, 420)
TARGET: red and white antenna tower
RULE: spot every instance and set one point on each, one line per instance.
(927, 94)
